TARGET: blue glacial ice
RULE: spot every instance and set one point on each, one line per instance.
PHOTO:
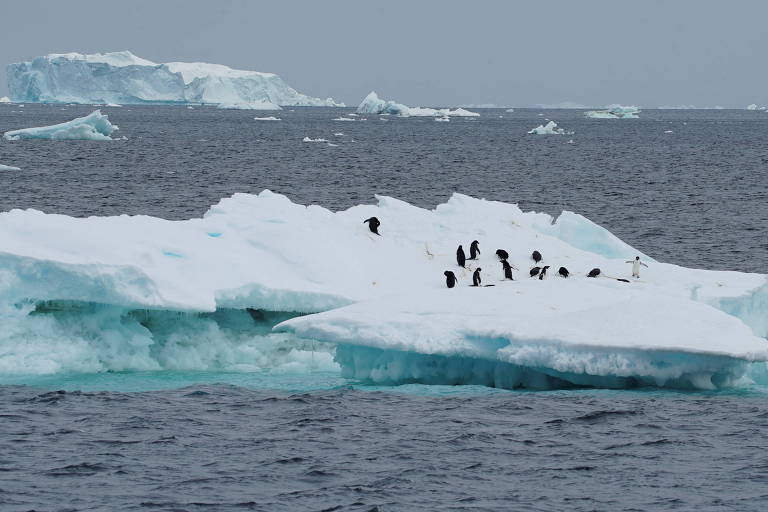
(94, 126)
(243, 289)
(123, 78)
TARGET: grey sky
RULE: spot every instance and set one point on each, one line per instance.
(424, 52)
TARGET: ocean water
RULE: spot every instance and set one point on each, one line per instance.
(299, 437)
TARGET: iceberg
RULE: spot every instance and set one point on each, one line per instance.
(232, 287)
(372, 104)
(9, 168)
(614, 112)
(549, 129)
(124, 78)
(5, 99)
(94, 126)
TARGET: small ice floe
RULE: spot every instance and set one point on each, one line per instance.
(443, 119)
(332, 145)
(510, 110)
(352, 114)
(338, 134)
(343, 119)
(5, 99)
(268, 118)
(9, 168)
(549, 129)
(308, 139)
(570, 141)
(668, 131)
(112, 105)
(94, 126)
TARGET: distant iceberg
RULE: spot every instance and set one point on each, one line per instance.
(123, 78)
(9, 168)
(372, 104)
(94, 126)
(754, 106)
(549, 129)
(614, 112)
(5, 99)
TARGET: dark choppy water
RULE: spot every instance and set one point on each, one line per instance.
(225, 448)
(696, 196)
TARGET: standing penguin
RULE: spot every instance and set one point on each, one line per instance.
(373, 225)
(476, 277)
(461, 258)
(636, 266)
(543, 273)
(536, 257)
(563, 272)
(502, 254)
(474, 249)
(507, 270)
(450, 278)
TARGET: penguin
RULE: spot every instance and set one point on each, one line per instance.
(543, 273)
(594, 272)
(502, 254)
(535, 271)
(373, 225)
(536, 257)
(476, 277)
(474, 250)
(507, 270)
(450, 278)
(563, 272)
(461, 258)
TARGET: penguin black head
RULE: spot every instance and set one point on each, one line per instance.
(475, 242)
(637, 257)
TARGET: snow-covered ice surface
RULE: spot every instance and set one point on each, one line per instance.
(124, 78)
(549, 129)
(94, 126)
(391, 323)
(372, 104)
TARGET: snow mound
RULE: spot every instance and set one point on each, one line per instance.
(142, 292)
(372, 104)
(9, 168)
(123, 78)
(614, 112)
(94, 126)
(549, 129)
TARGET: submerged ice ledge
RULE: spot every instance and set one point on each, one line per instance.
(675, 326)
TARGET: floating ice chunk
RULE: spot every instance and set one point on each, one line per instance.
(510, 110)
(338, 134)
(5, 99)
(343, 119)
(668, 131)
(752, 106)
(94, 126)
(308, 139)
(443, 119)
(549, 129)
(372, 104)
(614, 112)
(269, 118)
(9, 168)
(332, 145)
(112, 105)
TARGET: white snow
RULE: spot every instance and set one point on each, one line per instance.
(675, 326)
(9, 168)
(372, 104)
(549, 129)
(269, 118)
(94, 126)
(123, 78)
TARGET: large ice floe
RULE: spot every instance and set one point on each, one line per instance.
(260, 279)
(124, 78)
(94, 126)
(372, 104)
(614, 112)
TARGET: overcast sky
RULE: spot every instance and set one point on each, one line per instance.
(446, 53)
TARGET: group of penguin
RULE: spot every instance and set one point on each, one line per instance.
(474, 252)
